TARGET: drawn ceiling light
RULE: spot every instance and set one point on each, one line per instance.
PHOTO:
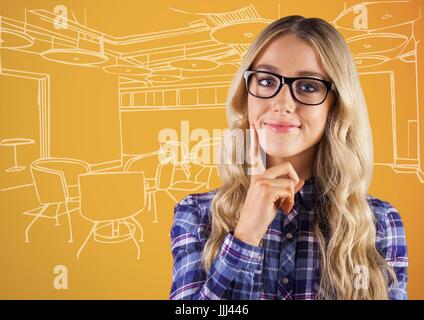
(376, 43)
(14, 39)
(124, 68)
(76, 56)
(380, 14)
(242, 32)
(194, 64)
(369, 61)
(165, 76)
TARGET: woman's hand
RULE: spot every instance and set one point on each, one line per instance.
(265, 195)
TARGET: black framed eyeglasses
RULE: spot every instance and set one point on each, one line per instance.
(305, 90)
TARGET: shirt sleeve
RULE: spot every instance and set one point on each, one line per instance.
(394, 250)
(235, 273)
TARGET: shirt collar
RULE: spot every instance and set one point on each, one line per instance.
(308, 195)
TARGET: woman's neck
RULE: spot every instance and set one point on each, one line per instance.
(302, 162)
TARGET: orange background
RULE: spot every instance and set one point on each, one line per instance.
(106, 119)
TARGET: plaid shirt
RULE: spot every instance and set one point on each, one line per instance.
(286, 266)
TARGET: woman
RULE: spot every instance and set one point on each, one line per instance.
(301, 225)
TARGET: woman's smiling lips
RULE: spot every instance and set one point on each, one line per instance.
(281, 127)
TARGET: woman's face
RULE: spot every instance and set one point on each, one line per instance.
(291, 57)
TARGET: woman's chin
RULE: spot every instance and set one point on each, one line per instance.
(278, 153)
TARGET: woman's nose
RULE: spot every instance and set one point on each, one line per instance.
(283, 101)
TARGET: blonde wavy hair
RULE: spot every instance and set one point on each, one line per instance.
(343, 167)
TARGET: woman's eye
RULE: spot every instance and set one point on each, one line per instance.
(266, 82)
(308, 87)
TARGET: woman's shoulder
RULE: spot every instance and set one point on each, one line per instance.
(196, 200)
(388, 219)
(193, 211)
(382, 209)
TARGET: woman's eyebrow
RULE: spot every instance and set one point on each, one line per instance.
(267, 67)
(302, 73)
(311, 74)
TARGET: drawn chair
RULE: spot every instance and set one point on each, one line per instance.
(111, 201)
(164, 181)
(55, 181)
